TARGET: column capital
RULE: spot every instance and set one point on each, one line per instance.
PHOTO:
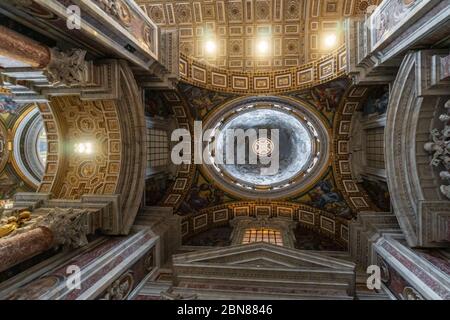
(66, 67)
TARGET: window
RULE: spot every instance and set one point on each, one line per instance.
(375, 148)
(158, 148)
(30, 146)
(41, 146)
(272, 236)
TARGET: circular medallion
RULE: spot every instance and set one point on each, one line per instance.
(263, 147)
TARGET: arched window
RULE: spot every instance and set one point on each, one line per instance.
(262, 234)
(30, 146)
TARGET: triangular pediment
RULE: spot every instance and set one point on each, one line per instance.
(262, 255)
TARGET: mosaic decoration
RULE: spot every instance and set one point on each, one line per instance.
(201, 100)
(4, 152)
(378, 192)
(377, 102)
(9, 185)
(7, 104)
(325, 196)
(325, 97)
(155, 189)
(155, 105)
(202, 194)
(11, 180)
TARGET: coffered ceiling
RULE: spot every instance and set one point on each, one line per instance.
(294, 31)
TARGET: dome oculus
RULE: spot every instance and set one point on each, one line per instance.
(284, 146)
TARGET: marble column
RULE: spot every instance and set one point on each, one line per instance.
(21, 48)
(23, 246)
(51, 227)
(66, 68)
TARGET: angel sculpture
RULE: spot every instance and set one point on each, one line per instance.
(440, 148)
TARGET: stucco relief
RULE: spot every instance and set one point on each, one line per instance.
(98, 123)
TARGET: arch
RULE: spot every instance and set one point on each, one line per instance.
(116, 127)
(315, 219)
(422, 211)
(26, 158)
(131, 181)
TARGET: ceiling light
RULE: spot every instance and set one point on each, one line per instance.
(330, 40)
(263, 47)
(210, 47)
(83, 148)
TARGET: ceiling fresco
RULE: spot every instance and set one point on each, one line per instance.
(294, 31)
(204, 193)
(327, 203)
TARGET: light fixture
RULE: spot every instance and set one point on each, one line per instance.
(330, 40)
(210, 47)
(263, 47)
(83, 148)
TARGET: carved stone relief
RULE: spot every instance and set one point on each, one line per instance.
(439, 149)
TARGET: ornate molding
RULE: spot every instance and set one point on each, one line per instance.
(242, 269)
(116, 9)
(102, 212)
(68, 226)
(417, 98)
(318, 220)
(377, 44)
(346, 180)
(366, 230)
(428, 281)
(66, 68)
(285, 227)
(440, 149)
(314, 73)
(83, 78)
(121, 288)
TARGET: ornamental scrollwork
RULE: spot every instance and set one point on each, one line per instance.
(121, 288)
(439, 148)
(66, 68)
(116, 9)
(68, 226)
(410, 293)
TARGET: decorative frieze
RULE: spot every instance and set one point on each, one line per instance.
(203, 75)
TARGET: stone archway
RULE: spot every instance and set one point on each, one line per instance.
(417, 98)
